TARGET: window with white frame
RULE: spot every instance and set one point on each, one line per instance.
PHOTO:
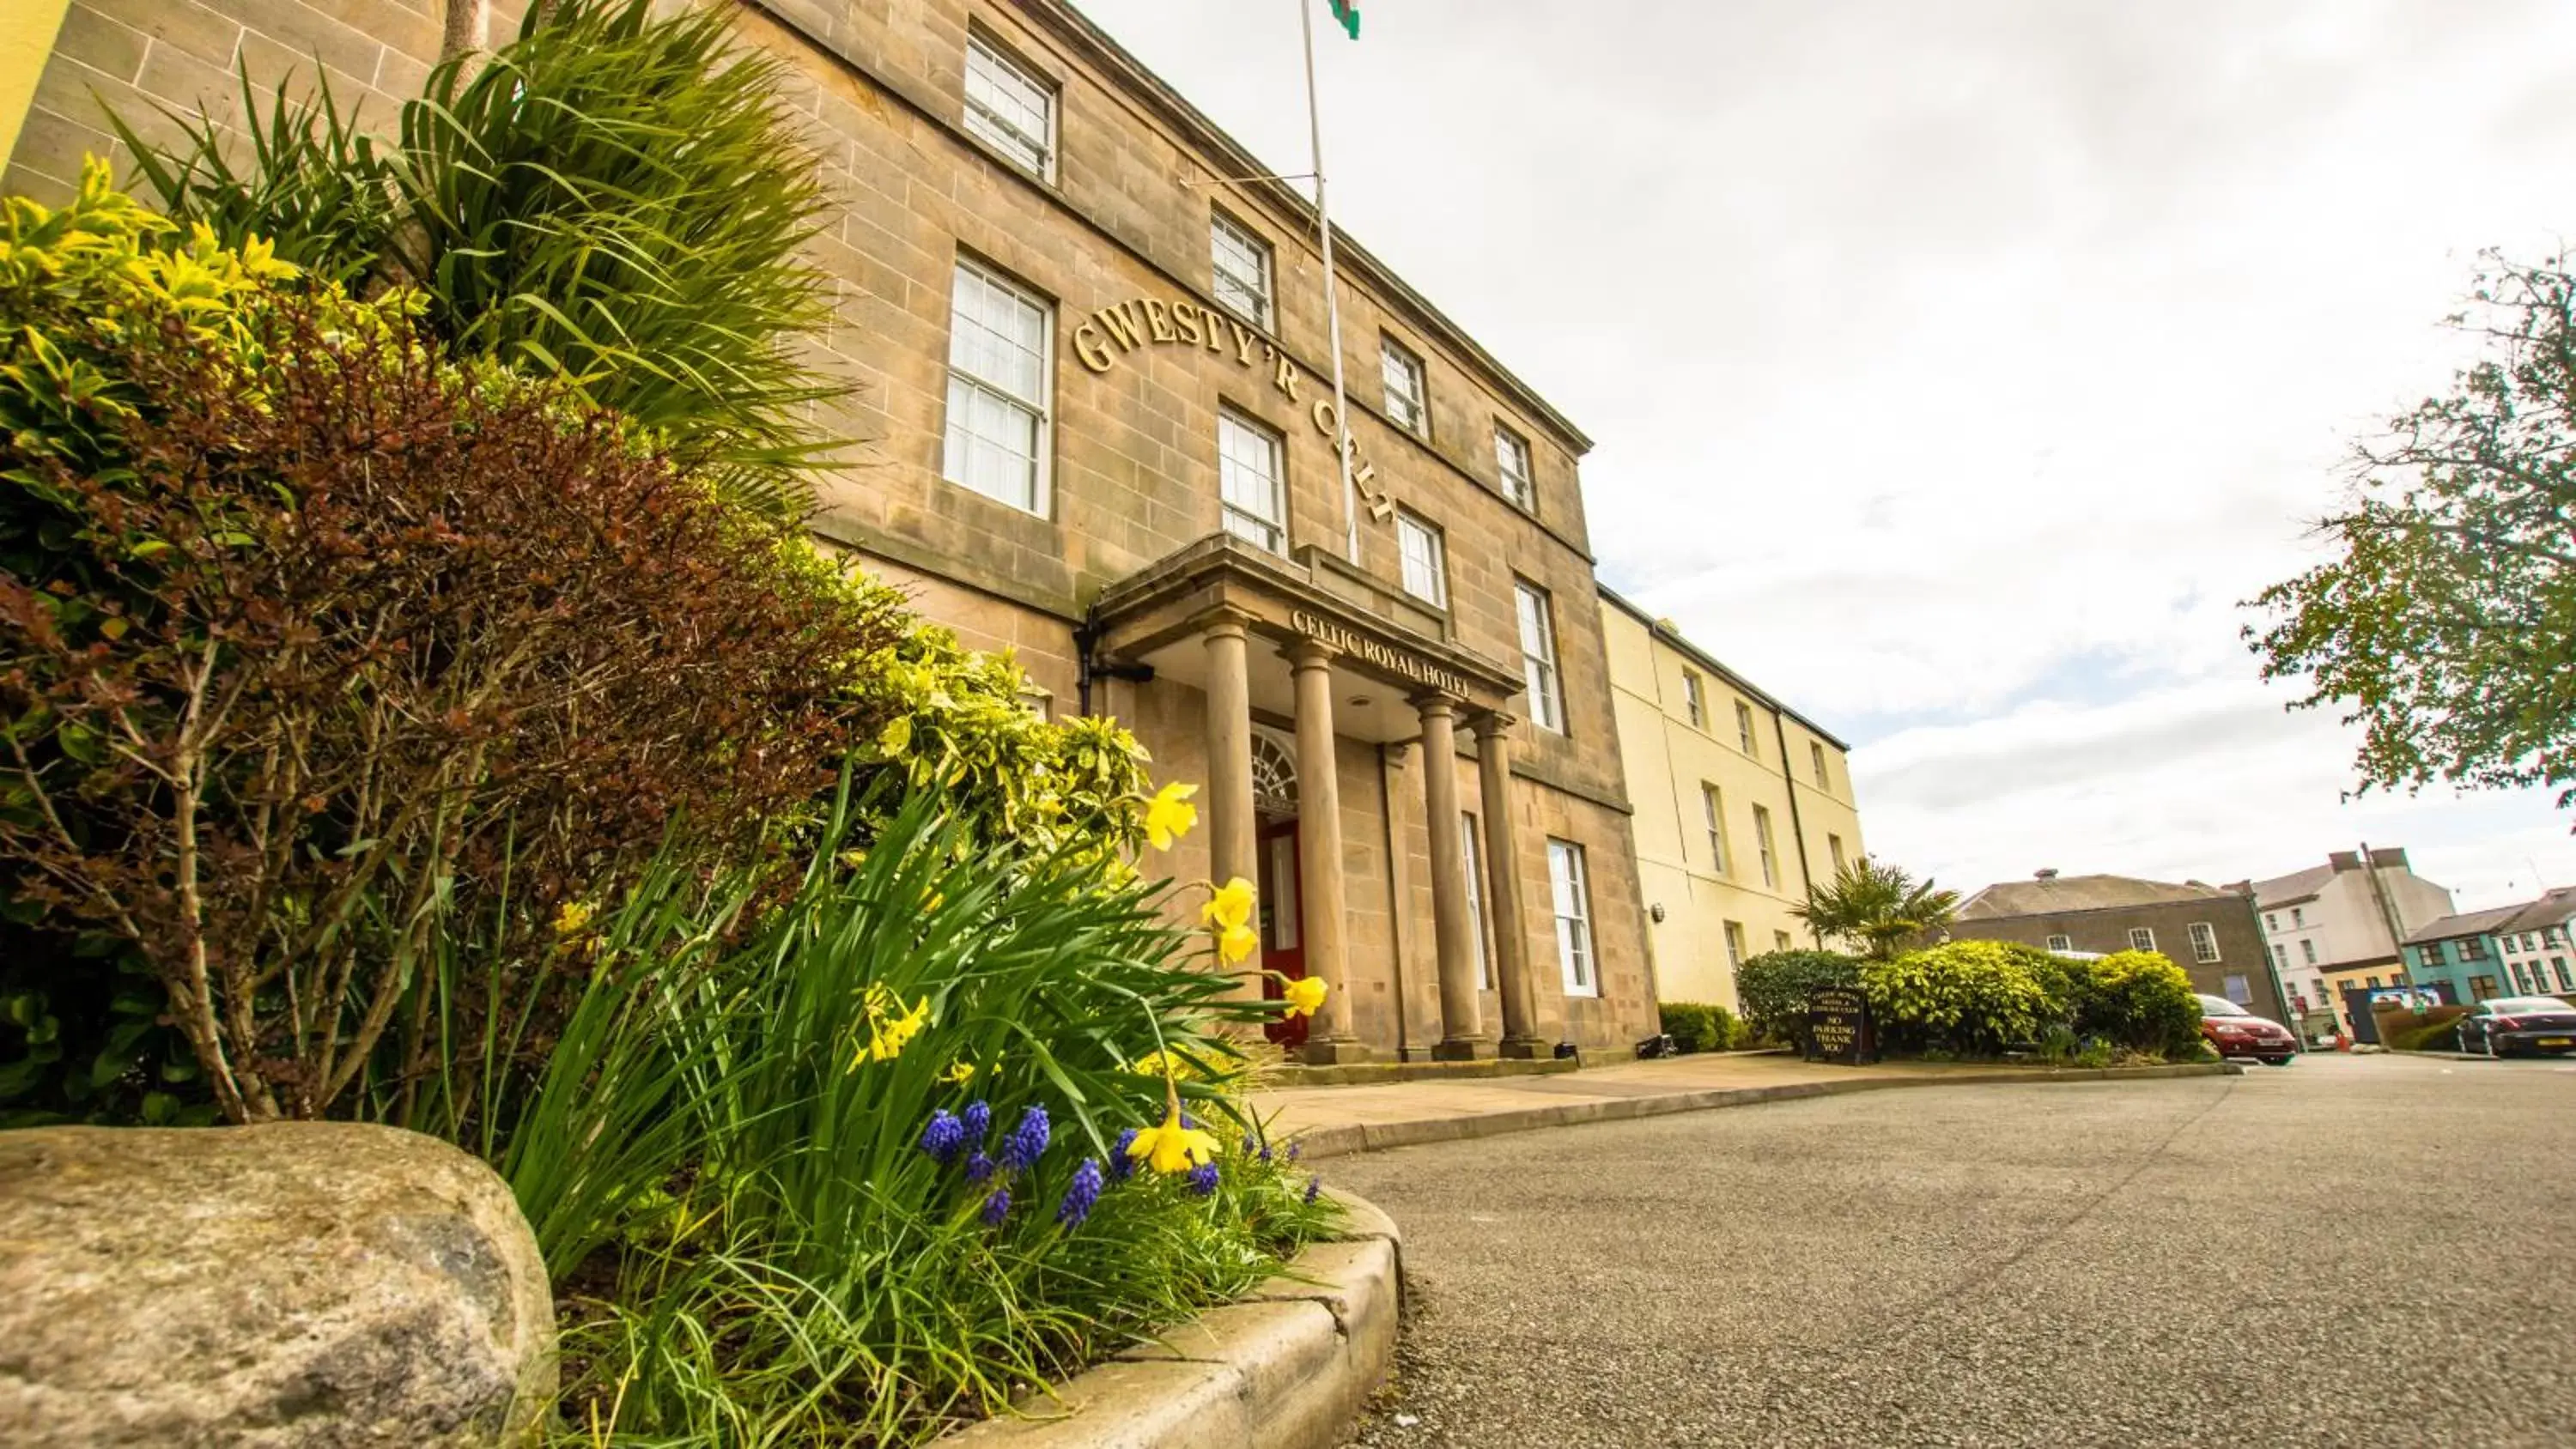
(1512, 466)
(1255, 497)
(1834, 852)
(1572, 894)
(1009, 107)
(1538, 657)
(2141, 939)
(1694, 700)
(1472, 844)
(1780, 941)
(2280, 955)
(1734, 943)
(1408, 402)
(2308, 952)
(2271, 922)
(1712, 805)
(998, 388)
(1744, 730)
(1242, 269)
(2061, 943)
(1762, 847)
(1816, 757)
(2298, 917)
(1426, 563)
(2204, 942)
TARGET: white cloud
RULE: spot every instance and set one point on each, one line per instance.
(1938, 351)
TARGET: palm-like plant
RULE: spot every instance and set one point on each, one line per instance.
(1879, 908)
(616, 198)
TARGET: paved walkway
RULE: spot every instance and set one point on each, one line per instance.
(1334, 1120)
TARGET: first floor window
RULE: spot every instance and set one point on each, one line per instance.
(1762, 847)
(1426, 563)
(2566, 982)
(1256, 499)
(1473, 845)
(2308, 953)
(1538, 657)
(2061, 943)
(2204, 942)
(1735, 943)
(1713, 806)
(997, 390)
(2280, 955)
(2141, 939)
(1571, 893)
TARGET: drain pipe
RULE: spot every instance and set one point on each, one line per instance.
(1797, 830)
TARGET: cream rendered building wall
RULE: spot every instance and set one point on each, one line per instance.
(1668, 760)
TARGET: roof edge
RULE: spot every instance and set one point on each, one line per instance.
(1709, 661)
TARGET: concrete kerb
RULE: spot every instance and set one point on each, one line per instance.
(1379, 1136)
(1289, 1367)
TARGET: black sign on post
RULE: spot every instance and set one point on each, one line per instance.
(1838, 1027)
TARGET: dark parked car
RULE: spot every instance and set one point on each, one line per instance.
(2506, 1025)
(2237, 1032)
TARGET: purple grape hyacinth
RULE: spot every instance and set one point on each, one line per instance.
(1079, 1197)
(978, 1167)
(1122, 1166)
(945, 1137)
(1203, 1179)
(1314, 1185)
(1028, 1141)
(997, 1207)
(978, 1121)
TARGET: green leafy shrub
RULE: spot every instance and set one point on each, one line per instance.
(2139, 1000)
(1773, 988)
(617, 199)
(1697, 1026)
(1970, 998)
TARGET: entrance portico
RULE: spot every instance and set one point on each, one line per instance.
(1320, 645)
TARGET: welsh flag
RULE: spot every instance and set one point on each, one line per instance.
(1348, 12)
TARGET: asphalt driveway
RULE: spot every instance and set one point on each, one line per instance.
(2351, 1250)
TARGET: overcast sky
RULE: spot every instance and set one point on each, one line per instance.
(1956, 366)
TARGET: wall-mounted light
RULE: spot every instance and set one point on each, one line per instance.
(1657, 911)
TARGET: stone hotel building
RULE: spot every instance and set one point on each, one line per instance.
(1094, 392)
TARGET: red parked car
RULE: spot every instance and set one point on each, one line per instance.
(2237, 1032)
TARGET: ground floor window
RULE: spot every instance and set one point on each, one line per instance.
(1571, 891)
(2061, 943)
(1735, 943)
(2141, 939)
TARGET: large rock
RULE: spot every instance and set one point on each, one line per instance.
(297, 1284)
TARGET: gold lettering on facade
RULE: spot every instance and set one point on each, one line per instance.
(1285, 378)
(1185, 316)
(1123, 325)
(1243, 340)
(1158, 319)
(1402, 663)
(1093, 351)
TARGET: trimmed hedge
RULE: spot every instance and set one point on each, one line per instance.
(1772, 989)
(1700, 1026)
(2418, 1031)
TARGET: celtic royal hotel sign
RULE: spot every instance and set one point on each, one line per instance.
(1114, 331)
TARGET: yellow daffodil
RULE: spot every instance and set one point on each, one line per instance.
(573, 916)
(1229, 906)
(1169, 815)
(1236, 943)
(1172, 1147)
(1305, 996)
(961, 1073)
(890, 1025)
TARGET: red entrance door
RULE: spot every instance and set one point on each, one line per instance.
(1283, 942)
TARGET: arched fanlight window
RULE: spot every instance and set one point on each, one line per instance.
(1274, 775)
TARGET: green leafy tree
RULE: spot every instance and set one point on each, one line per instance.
(616, 198)
(1880, 909)
(2445, 622)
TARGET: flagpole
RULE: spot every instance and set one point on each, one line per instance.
(1332, 295)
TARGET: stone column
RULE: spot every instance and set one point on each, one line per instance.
(1319, 853)
(1229, 747)
(1462, 1028)
(1503, 892)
